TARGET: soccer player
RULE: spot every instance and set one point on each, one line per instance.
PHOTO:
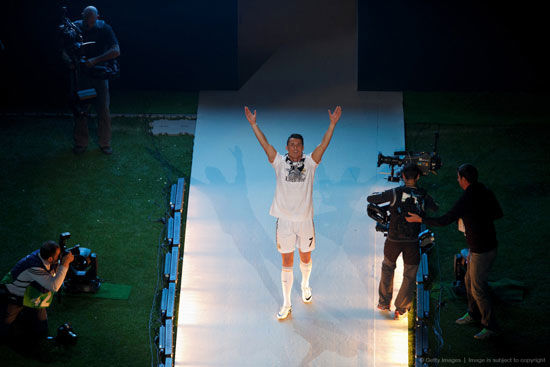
(293, 203)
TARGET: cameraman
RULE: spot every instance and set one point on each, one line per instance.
(402, 238)
(30, 285)
(105, 48)
(477, 208)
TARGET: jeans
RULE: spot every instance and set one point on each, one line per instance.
(411, 259)
(101, 104)
(477, 288)
(39, 320)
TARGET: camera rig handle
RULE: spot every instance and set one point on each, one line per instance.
(379, 213)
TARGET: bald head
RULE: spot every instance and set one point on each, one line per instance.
(89, 10)
(90, 16)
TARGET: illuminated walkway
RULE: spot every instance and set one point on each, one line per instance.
(230, 282)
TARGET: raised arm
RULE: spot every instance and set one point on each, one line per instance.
(320, 150)
(268, 148)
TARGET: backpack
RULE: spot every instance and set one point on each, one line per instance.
(405, 199)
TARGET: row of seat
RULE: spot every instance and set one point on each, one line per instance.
(171, 275)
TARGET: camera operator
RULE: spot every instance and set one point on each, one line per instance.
(402, 238)
(104, 49)
(30, 285)
(477, 208)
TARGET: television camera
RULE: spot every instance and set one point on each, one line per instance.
(427, 162)
(82, 274)
(65, 335)
(72, 50)
(72, 43)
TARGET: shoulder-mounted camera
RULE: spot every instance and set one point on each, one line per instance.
(427, 162)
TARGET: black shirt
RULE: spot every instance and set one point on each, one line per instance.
(478, 208)
(404, 199)
(103, 36)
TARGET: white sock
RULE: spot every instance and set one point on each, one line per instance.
(306, 271)
(287, 277)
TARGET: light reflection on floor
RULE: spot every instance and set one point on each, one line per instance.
(230, 283)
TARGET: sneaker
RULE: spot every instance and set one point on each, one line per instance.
(77, 149)
(485, 334)
(399, 316)
(284, 312)
(306, 294)
(465, 320)
(383, 307)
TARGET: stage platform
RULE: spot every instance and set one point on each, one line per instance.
(230, 279)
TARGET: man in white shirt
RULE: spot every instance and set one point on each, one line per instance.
(293, 203)
(31, 284)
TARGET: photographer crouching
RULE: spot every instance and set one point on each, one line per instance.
(402, 238)
(30, 286)
(101, 47)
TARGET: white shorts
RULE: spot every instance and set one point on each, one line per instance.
(291, 235)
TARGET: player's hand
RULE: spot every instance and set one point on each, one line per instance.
(251, 117)
(334, 117)
(412, 218)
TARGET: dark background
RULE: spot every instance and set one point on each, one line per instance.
(458, 45)
(218, 44)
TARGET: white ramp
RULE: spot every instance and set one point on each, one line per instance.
(230, 282)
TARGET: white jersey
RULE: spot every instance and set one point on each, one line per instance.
(293, 198)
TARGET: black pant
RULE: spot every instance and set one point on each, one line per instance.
(411, 259)
(9, 311)
(101, 103)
